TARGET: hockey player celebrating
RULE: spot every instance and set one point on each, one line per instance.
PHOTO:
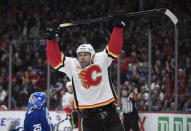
(94, 94)
(37, 117)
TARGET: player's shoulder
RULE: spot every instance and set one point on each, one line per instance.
(100, 54)
(36, 112)
(71, 59)
(66, 95)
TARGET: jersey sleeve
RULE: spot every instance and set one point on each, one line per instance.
(54, 55)
(114, 47)
(57, 58)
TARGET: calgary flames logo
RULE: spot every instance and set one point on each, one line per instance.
(90, 76)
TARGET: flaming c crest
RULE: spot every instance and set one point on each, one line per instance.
(86, 76)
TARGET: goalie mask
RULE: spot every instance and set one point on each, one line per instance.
(36, 100)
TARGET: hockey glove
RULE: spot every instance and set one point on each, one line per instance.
(52, 31)
(119, 19)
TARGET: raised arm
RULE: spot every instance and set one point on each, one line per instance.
(54, 55)
(115, 44)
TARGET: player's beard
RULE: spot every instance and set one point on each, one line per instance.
(85, 64)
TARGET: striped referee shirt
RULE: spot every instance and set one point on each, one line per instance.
(127, 105)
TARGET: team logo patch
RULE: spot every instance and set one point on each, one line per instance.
(90, 76)
(32, 99)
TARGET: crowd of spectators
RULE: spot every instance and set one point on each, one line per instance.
(22, 26)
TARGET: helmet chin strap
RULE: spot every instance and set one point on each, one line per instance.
(92, 58)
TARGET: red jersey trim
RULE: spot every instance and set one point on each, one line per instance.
(61, 63)
(112, 54)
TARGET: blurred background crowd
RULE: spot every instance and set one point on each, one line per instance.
(22, 25)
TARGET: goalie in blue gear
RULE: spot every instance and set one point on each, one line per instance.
(37, 117)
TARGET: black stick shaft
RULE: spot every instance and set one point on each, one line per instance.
(160, 10)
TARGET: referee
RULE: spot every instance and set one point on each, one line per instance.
(129, 110)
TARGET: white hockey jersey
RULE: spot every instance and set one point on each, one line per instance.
(92, 85)
(67, 100)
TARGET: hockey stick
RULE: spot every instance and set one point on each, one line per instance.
(55, 126)
(165, 11)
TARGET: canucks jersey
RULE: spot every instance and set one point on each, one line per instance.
(92, 84)
(37, 120)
